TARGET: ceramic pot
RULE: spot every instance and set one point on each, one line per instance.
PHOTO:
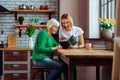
(20, 22)
(106, 33)
(30, 42)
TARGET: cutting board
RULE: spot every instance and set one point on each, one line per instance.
(11, 40)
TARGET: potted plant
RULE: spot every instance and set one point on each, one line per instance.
(30, 29)
(106, 27)
(21, 19)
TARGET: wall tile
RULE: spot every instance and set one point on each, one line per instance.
(7, 21)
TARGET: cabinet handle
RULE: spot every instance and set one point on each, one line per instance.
(15, 53)
(15, 75)
(15, 66)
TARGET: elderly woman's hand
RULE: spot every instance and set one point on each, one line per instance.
(57, 47)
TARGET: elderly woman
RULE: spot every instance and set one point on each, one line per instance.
(43, 50)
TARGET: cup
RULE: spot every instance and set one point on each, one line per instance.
(88, 46)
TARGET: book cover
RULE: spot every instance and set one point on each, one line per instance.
(70, 41)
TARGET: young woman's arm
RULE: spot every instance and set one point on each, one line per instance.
(81, 41)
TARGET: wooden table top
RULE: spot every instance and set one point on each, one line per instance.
(83, 53)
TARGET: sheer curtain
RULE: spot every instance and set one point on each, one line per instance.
(116, 58)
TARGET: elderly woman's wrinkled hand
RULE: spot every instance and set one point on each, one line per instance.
(57, 47)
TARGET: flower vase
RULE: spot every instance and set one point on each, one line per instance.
(30, 42)
(106, 33)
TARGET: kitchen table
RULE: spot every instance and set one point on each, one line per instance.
(83, 57)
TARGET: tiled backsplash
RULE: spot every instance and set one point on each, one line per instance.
(7, 21)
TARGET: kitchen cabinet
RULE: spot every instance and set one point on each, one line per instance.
(1, 63)
(17, 64)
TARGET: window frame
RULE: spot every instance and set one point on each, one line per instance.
(107, 8)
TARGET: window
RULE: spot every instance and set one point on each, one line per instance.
(107, 8)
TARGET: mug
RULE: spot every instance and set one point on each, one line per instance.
(88, 46)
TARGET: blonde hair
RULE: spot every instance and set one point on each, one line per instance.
(68, 17)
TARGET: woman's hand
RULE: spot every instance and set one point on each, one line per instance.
(72, 47)
(76, 47)
(57, 47)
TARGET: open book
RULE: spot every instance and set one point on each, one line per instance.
(70, 41)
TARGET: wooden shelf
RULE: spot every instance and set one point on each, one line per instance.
(18, 25)
(49, 11)
(16, 11)
(35, 10)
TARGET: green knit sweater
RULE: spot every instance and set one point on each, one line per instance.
(43, 46)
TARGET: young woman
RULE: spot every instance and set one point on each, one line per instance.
(43, 50)
(68, 29)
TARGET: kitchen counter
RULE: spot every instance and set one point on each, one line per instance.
(16, 48)
(17, 62)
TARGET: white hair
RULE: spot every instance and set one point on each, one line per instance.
(52, 22)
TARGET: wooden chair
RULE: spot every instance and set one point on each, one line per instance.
(41, 70)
